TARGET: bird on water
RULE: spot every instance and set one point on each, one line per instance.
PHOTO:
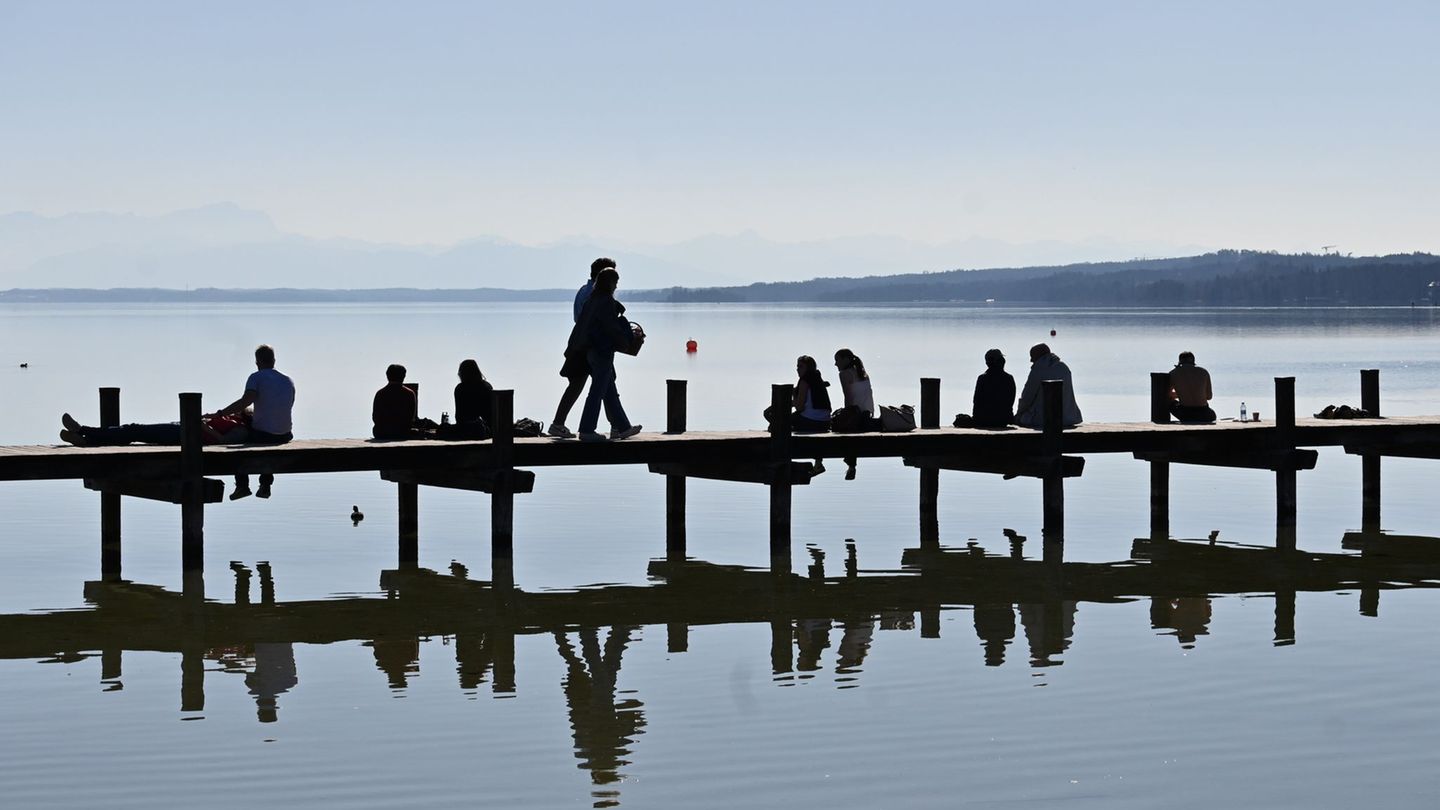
(356, 515)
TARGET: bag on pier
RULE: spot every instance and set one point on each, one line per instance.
(897, 418)
(525, 426)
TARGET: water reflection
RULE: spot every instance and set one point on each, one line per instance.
(818, 623)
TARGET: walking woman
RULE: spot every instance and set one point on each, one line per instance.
(599, 332)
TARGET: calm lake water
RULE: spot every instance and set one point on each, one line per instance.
(1190, 677)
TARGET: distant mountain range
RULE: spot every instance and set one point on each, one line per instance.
(226, 246)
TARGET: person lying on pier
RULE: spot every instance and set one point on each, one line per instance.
(393, 413)
(227, 429)
(600, 331)
(576, 369)
(1190, 392)
(1046, 366)
(858, 413)
(994, 401)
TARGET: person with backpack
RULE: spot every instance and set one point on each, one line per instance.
(601, 330)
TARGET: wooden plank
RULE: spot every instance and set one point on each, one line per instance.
(800, 472)
(470, 480)
(166, 491)
(1252, 460)
(1026, 467)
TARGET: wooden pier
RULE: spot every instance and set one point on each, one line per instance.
(503, 467)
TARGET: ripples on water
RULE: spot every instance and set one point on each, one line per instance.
(1135, 673)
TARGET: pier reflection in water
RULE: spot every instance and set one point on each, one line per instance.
(818, 622)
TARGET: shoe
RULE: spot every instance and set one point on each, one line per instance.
(592, 436)
(616, 435)
(850, 474)
(240, 493)
(70, 424)
(73, 437)
(559, 431)
(817, 468)
(263, 491)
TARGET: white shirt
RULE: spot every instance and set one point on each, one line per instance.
(274, 398)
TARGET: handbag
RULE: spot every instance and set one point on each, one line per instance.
(637, 339)
(897, 418)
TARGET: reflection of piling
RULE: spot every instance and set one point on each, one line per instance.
(110, 501)
(675, 483)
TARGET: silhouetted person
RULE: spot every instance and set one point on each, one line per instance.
(855, 638)
(812, 638)
(271, 396)
(604, 726)
(228, 429)
(600, 331)
(274, 675)
(474, 401)
(576, 368)
(1048, 628)
(1045, 366)
(858, 412)
(1188, 616)
(994, 401)
(398, 658)
(1190, 392)
(393, 413)
(995, 625)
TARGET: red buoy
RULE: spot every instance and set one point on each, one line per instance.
(691, 346)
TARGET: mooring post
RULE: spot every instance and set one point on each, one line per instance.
(929, 403)
(407, 503)
(1370, 462)
(502, 641)
(782, 646)
(1285, 487)
(677, 637)
(109, 501)
(780, 398)
(675, 484)
(930, 621)
(1284, 618)
(1052, 392)
(502, 500)
(192, 492)
(1160, 397)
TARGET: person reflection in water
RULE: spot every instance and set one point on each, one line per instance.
(1048, 629)
(1188, 616)
(604, 727)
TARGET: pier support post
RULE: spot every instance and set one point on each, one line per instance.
(677, 637)
(1052, 392)
(781, 397)
(1159, 500)
(929, 403)
(1285, 485)
(407, 502)
(675, 484)
(192, 503)
(1284, 618)
(502, 500)
(1370, 463)
(109, 501)
(1160, 397)
(782, 646)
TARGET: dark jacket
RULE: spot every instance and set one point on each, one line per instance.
(994, 404)
(474, 401)
(601, 327)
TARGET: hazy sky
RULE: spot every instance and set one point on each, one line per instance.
(1286, 125)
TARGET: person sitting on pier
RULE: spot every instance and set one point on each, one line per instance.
(394, 410)
(227, 429)
(858, 413)
(1046, 366)
(272, 395)
(599, 332)
(575, 368)
(811, 400)
(994, 401)
(474, 404)
(1190, 392)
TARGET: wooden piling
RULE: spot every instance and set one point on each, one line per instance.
(782, 646)
(677, 637)
(1369, 462)
(1285, 483)
(675, 405)
(502, 500)
(192, 503)
(407, 503)
(1052, 392)
(1159, 500)
(110, 554)
(929, 403)
(1160, 397)
(781, 397)
(930, 508)
(1284, 618)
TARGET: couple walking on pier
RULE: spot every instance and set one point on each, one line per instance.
(601, 329)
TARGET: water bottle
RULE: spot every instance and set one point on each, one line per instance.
(1243, 416)
(445, 416)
